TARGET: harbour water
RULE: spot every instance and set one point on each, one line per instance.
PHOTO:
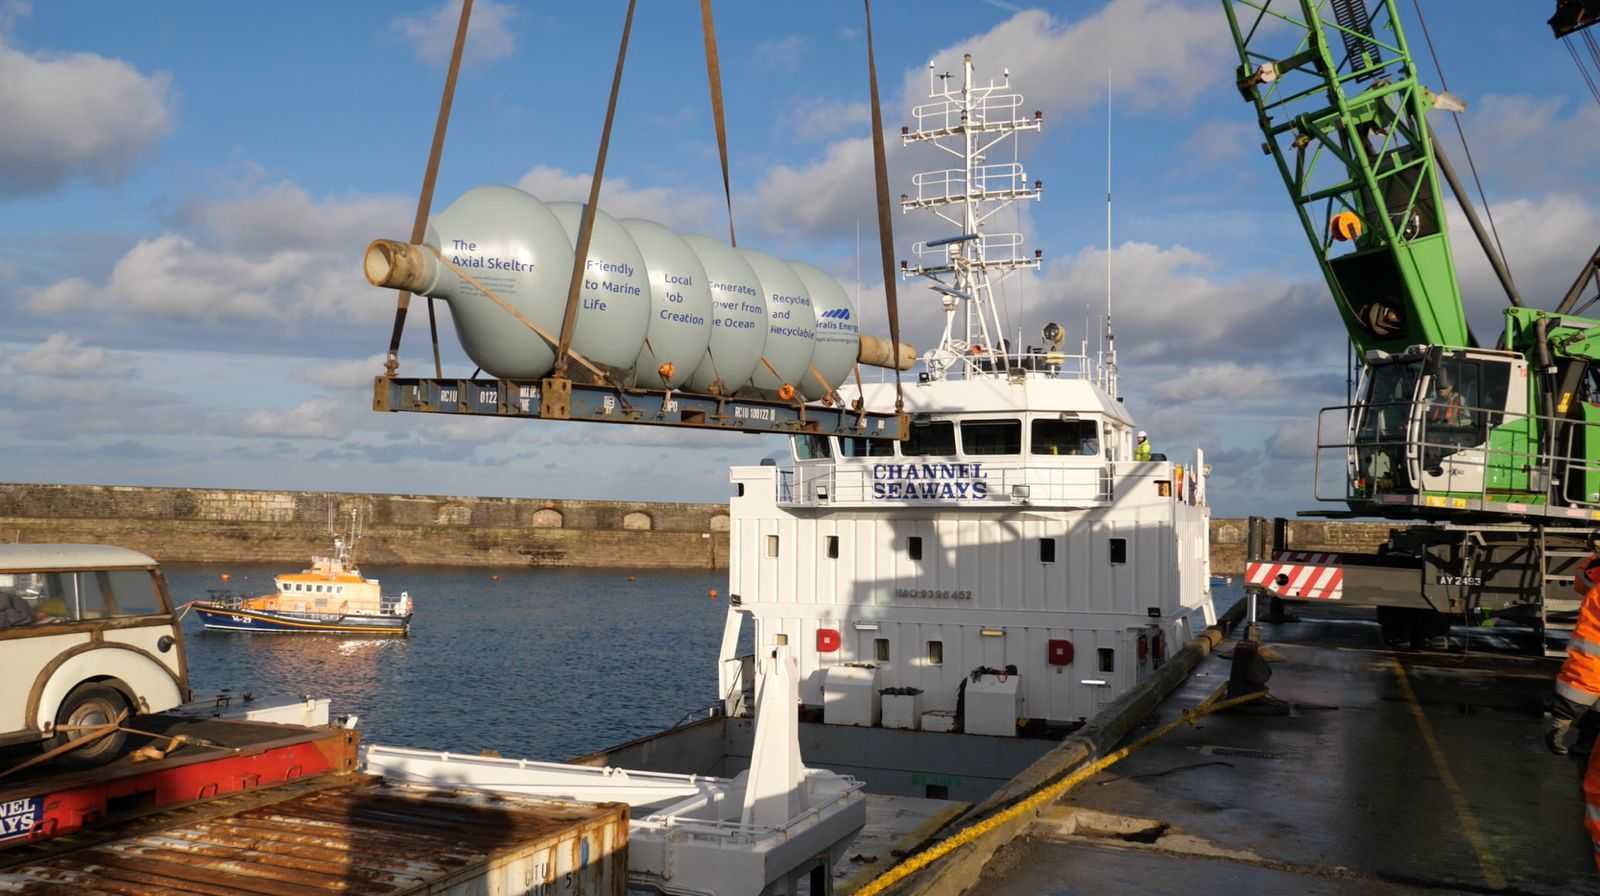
(540, 663)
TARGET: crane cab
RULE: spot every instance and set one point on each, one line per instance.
(1443, 427)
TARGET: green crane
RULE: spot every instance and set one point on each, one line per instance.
(1443, 427)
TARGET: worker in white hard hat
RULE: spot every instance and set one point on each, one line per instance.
(1141, 449)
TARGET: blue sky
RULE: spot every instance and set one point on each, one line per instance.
(184, 194)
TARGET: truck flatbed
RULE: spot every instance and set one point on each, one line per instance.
(229, 756)
(1397, 772)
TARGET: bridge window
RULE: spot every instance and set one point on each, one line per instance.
(833, 547)
(772, 545)
(1108, 659)
(935, 653)
(991, 436)
(855, 446)
(1047, 550)
(1119, 550)
(1077, 438)
(933, 439)
(812, 448)
(914, 547)
(880, 649)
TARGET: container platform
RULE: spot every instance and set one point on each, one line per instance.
(342, 834)
(1397, 772)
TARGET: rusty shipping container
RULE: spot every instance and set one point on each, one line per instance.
(356, 837)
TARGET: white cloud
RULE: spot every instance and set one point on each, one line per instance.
(1294, 440)
(829, 118)
(1224, 381)
(682, 210)
(75, 115)
(1162, 54)
(1170, 301)
(433, 34)
(317, 418)
(1219, 140)
(277, 254)
(284, 215)
(63, 356)
(1529, 143)
(346, 374)
(782, 52)
(821, 198)
(1546, 240)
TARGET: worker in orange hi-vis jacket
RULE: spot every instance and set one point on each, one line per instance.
(1578, 691)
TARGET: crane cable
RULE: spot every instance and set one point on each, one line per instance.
(1488, 210)
(1582, 69)
(580, 256)
(419, 224)
(714, 80)
(880, 171)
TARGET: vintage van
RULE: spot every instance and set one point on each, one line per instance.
(86, 631)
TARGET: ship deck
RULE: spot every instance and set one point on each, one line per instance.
(1395, 772)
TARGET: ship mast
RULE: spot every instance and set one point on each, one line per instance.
(973, 123)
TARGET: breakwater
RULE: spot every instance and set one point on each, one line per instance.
(193, 525)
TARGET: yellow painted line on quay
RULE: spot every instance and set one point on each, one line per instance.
(1469, 822)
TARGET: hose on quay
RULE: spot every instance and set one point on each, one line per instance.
(1043, 795)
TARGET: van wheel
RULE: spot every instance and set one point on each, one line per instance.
(89, 705)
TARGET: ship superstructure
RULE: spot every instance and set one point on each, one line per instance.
(1010, 567)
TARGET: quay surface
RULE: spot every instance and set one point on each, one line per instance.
(1396, 772)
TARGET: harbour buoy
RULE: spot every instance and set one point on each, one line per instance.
(494, 578)
(712, 593)
(633, 579)
(226, 577)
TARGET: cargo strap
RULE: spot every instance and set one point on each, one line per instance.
(880, 171)
(511, 309)
(827, 387)
(795, 393)
(714, 79)
(419, 224)
(91, 734)
(580, 257)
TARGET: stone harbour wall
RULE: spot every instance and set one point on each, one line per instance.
(1230, 539)
(193, 525)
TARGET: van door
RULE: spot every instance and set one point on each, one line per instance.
(137, 613)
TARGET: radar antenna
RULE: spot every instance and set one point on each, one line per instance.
(973, 123)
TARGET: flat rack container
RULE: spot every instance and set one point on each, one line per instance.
(343, 834)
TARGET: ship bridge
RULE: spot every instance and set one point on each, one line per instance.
(1038, 430)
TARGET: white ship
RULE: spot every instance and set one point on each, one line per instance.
(1013, 531)
(911, 624)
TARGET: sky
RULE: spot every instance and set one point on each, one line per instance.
(185, 193)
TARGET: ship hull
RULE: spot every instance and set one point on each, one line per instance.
(218, 618)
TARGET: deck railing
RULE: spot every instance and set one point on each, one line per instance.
(1473, 458)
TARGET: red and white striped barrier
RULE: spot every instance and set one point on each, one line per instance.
(1297, 575)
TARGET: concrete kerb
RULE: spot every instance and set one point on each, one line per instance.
(955, 873)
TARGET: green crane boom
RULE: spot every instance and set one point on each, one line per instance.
(1343, 113)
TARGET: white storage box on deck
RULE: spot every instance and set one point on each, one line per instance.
(850, 695)
(994, 703)
(901, 710)
(939, 720)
